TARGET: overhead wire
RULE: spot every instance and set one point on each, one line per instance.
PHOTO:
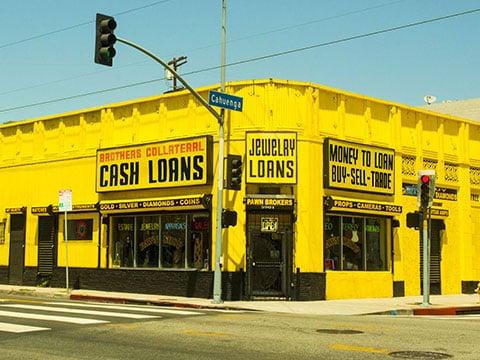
(39, 36)
(285, 28)
(264, 57)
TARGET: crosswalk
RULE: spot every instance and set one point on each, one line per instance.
(15, 316)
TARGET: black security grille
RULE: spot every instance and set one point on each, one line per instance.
(47, 233)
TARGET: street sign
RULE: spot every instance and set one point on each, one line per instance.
(65, 200)
(225, 101)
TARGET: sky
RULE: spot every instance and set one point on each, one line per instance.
(47, 49)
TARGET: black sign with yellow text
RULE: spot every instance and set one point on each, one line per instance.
(166, 164)
(271, 157)
(358, 167)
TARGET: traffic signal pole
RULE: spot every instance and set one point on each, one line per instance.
(426, 257)
(217, 276)
(217, 280)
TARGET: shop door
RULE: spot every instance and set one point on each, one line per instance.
(269, 255)
(17, 249)
(47, 240)
(435, 258)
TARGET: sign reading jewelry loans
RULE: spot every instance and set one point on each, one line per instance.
(165, 164)
(358, 167)
(271, 157)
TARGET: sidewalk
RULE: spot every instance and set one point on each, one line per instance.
(410, 305)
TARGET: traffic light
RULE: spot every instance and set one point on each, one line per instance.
(229, 218)
(234, 172)
(425, 188)
(104, 39)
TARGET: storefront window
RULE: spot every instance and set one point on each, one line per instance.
(165, 241)
(174, 231)
(147, 231)
(352, 243)
(375, 230)
(123, 241)
(355, 243)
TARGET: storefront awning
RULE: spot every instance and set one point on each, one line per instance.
(51, 209)
(367, 207)
(197, 202)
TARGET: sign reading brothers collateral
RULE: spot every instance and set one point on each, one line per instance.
(165, 164)
(271, 157)
(358, 167)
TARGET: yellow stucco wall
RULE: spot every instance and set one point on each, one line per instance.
(42, 156)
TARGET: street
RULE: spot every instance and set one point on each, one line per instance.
(59, 329)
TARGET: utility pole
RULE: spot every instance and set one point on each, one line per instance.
(175, 63)
(217, 276)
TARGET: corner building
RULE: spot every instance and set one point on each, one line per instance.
(328, 178)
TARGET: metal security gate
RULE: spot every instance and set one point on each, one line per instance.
(435, 258)
(17, 249)
(269, 253)
(47, 240)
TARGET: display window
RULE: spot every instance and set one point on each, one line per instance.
(161, 241)
(355, 243)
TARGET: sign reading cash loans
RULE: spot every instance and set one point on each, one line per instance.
(182, 162)
(358, 167)
(271, 157)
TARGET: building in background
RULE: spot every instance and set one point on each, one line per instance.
(467, 108)
(328, 178)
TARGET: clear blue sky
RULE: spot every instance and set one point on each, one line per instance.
(440, 58)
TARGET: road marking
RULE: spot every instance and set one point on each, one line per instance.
(73, 320)
(202, 333)
(14, 328)
(132, 308)
(80, 311)
(346, 347)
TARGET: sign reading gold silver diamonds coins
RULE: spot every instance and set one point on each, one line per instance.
(358, 167)
(271, 157)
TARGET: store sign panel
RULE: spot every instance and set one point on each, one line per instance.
(363, 206)
(167, 164)
(271, 157)
(441, 193)
(358, 167)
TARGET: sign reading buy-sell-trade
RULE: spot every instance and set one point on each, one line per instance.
(182, 162)
(358, 167)
(271, 157)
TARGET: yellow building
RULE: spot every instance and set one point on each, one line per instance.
(328, 180)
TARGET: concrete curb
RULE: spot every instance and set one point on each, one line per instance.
(449, 310)
(120, 300)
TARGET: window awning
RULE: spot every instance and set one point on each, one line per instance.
(334, 203)
(196, 202)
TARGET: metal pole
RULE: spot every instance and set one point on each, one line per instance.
(217, 276)
(426, 248)
(65, 234)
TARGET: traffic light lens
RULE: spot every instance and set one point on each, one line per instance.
(425, 179)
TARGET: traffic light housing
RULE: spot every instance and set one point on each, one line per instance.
(229, 218)
(105, 39)
(425, 188)
(234, 172)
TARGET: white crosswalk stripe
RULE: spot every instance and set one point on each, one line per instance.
(15, 328)
(66, 319)
(131, 308)
(79, 311)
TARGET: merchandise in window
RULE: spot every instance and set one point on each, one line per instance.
(355, 243)
(166, 241)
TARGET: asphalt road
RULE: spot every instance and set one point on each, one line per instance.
(112, 331)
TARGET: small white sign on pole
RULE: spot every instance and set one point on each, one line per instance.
(65, 200)
(65, 205)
